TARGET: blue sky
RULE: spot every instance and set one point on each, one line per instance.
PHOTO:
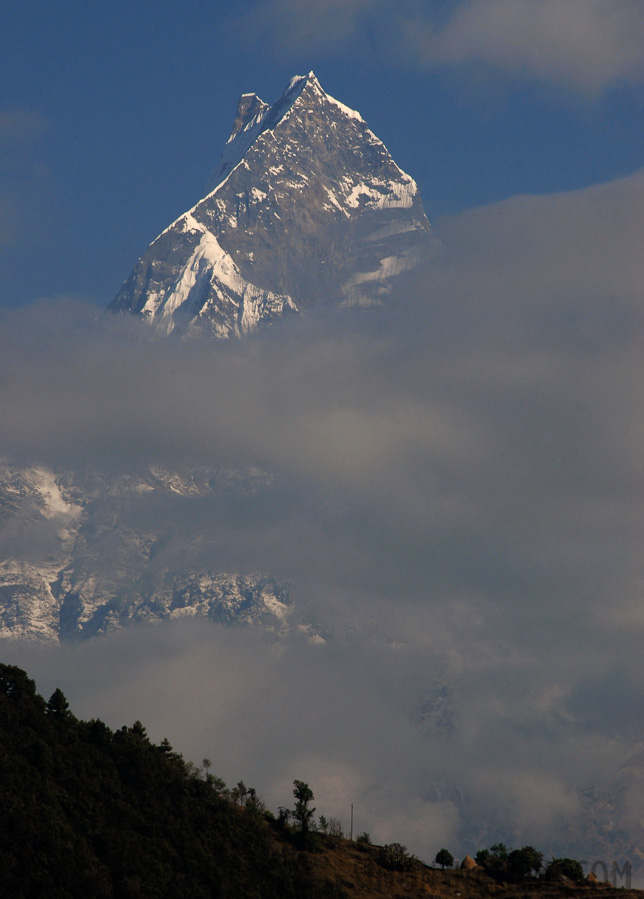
(112, 115)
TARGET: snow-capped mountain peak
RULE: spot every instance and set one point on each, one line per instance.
(254, 116)
(305, 207)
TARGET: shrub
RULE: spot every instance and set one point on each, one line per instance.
(564, 869)
(395, 857)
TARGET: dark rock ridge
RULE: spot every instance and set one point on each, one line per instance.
(306, 208)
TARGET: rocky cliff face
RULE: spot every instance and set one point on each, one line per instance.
(306, 208)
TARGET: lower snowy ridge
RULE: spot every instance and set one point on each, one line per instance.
(76, 565)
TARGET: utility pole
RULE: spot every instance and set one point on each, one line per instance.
(351, 834)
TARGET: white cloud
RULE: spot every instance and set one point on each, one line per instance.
(586, 45)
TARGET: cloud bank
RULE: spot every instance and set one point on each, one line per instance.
(457, 501)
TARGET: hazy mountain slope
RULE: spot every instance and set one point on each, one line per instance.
(83, 557)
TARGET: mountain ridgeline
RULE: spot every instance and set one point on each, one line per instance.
(306, 208)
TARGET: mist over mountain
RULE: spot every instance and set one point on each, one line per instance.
(428, 510)
(306, 208)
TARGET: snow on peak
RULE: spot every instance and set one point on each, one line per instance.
(317, 90)
(254, 116)
(297, 173)
(351, 113)
(296, 81)
(250, 109)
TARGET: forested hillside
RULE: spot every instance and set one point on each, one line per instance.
(90, 812)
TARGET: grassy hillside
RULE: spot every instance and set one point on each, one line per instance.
(356, 870)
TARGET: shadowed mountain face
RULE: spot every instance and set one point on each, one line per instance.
(306, 208)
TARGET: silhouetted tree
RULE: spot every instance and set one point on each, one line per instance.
(444, 858)
(494, 860)
(57, 706)
(522, 862)
(302, 813)
(239, 793)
